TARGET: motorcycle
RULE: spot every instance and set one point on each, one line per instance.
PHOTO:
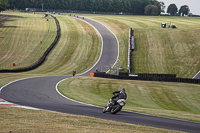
(74, 72)
(114, 108)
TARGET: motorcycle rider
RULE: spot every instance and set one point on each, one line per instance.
(119, 95)
(74, 72)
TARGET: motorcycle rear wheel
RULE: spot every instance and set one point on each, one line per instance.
(116, 109)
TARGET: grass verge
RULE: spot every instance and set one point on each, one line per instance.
(34, 121)
(22, 33)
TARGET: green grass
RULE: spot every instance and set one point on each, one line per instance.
(174, 100)
(77, 39)
(170, 51)
(33, 121)
(20, 39)
(79, 48)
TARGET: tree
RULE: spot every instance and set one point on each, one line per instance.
(117, 6)
(184, 10)
(135, 7)
(89, 5)
(162, 4)
(126, 6)
(99, 5)
(108, 5)
(172, 9)
(13, 4)
(3, 5)
(151, 10)
(158, 4)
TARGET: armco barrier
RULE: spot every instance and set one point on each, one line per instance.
(157, 75)
(148, 77)
(131, 48)
(41, 60)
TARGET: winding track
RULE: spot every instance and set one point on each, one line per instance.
(5, 17)
(40, 92)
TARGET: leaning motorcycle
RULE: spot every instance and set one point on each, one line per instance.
(113, 108)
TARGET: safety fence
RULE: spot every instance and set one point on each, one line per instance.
(147, 77)
(41, 60)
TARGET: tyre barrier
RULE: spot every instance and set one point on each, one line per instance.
(41, 60)
(148, 77)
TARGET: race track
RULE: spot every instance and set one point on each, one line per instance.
(5, 17)
(41, 92)
(197, 76)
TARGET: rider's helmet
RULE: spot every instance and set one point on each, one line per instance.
(122, 90)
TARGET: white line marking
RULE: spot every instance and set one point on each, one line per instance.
(70, 98)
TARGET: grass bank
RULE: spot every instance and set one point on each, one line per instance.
(158, 50)
(174, 100)
(78, 48)
(20, 41)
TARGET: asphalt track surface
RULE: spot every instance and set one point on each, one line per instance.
(197, 76)
(41, 92)
(6, 16)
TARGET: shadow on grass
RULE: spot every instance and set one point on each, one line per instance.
(9, 19)
(1, 26)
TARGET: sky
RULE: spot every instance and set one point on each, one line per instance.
(194, 5)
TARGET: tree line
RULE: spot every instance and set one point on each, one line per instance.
(173, 10)
(136, 7)
(3, 5)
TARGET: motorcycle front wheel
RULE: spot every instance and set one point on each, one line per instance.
(104, 110)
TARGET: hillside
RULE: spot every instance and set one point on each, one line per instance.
(158, 50)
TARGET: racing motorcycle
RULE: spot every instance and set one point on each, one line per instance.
(74, 72)
(112, 107)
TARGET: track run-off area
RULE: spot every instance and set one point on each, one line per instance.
(42, 93)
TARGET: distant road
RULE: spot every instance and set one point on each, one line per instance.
(6, 16)
(41, 92)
